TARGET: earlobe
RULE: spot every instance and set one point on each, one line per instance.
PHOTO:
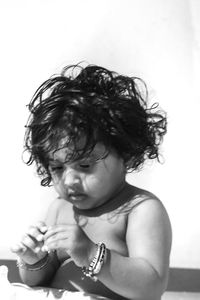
(126, 165)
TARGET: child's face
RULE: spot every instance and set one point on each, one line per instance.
(88, 182)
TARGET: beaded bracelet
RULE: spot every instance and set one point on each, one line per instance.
(34, 267)
(97, 263)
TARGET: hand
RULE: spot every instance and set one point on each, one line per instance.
(30, 247)
(72, 239)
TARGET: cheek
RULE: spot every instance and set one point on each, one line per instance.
(93, 184)
(114, 173)
(58, 188)
(99, 182)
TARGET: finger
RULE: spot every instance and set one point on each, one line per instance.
(18, 248)
(29, 243)
(42, 227)
(35, 233)
(56, 229)
(55, 241)
(63, 235)
(82, 221)
(55, 244)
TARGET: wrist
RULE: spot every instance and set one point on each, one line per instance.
(91, 253)
(32, 258)
(40, 264)
(96, 263)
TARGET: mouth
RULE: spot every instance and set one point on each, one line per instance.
(76, 196)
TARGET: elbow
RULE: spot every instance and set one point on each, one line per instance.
(154, 288)
(153, 292)
(156, 285)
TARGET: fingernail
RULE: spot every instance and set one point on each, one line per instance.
(43, 229)
(45, 248)
(37, 249)
(15, 248)
(39, 238)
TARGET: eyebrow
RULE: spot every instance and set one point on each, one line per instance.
(54, 162)
(92, 155)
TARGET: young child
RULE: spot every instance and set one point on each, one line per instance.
(87, 128)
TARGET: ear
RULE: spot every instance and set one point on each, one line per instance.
(127, 165)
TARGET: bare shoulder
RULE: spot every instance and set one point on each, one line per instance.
(149, 206)
(148, 214)
(55, 209)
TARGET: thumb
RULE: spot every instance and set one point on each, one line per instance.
(18, 249)
(81, 221)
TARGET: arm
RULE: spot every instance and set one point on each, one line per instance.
(37, 267)
(144, 273)
(41, 272)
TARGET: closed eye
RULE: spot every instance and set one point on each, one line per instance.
(85, 166)
(58, 168)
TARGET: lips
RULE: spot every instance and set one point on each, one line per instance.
(76, 196)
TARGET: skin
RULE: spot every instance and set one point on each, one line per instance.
(138, 243)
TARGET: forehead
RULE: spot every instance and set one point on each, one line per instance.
(67, 151)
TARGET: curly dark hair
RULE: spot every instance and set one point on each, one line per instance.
(100, 105)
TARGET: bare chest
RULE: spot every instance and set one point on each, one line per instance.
(109, 228)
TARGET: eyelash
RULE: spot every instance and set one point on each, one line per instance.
(85, 166)
(81, 165)
(56, 169)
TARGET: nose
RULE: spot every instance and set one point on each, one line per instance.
(71, 178)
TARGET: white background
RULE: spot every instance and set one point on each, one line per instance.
(157, 40)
